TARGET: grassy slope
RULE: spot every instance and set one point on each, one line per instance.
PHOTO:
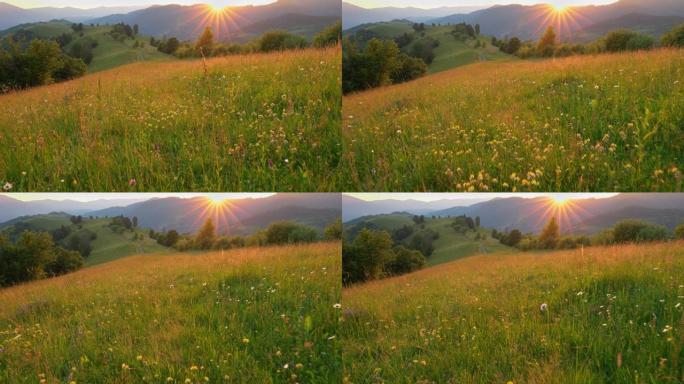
(178, 312)
(479, 319)
(450, 245)
(255, 123)
(450, 53)
(525, 126)
(108, 245)
(109, 53)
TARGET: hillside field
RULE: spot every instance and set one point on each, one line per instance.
(246, 316)
(450, 53)
(451, 245)
(612, 315)
(242, 123)
(586, 123)
(109, 53)
(109, 245)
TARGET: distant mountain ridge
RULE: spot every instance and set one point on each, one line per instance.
(187, 215)
(236, 24)
(353, 15)
(589, 215)
(529, 22)
(11, 15)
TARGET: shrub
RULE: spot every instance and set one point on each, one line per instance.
(334, 230)
(329, 36)
(280, 40)
(674, 38)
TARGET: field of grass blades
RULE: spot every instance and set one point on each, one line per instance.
(611, 315)
(586, 123)
(263, 122)
(264, 315)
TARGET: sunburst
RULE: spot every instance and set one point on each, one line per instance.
(563, 18)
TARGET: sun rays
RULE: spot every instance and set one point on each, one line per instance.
(222, 19)
(564, 19)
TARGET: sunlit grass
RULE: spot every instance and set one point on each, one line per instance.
(590, 123)
(612, 315)
(254, 315)
(265, 122)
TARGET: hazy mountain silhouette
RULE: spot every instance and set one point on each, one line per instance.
(11, 15)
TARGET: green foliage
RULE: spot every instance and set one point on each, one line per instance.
(627, 231)
(405, 261)
(652, 233)
(169, 46)
(280, 40)
(303, 234)
(330, 36)
(548, 238)
(206, 236)
(372, 67)
(366, 258)
(674, 38)
(679, 231)
(41, 62)
(205, 42)
(626, 40)
(547, 44)
(333, 231)
(34, 256)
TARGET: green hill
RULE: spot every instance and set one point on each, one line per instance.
(449, 245)
(108, 53)
(450, 52)
(110, 243)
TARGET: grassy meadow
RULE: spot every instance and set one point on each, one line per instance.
(451, 245)
(450, 53)
(262, 122)
(612, 315)
(109, 244)
(266, 315)
(589, 123)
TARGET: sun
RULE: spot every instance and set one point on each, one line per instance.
(559, 8)
(216, 7)
(559, 200)
(215, 200)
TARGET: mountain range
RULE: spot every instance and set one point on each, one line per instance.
(526, 214)
(579, 23)
(233, 24)
(353, 15)
(11, 15)
(187, 215)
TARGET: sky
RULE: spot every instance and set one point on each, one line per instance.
(475, 197)
(85, 197)
(426, 4)
(118, 3)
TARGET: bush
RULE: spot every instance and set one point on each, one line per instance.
(627, 231)
(366, 257)
(405, 261)
(330, 36)
(674, 38)
(652, 233)
(280, 40)
(303, 234)
(626, 40)
(334, 230)
(679, 231)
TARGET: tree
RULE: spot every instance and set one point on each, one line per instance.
(334, 230)
(205, 43)
(627, 231)
(679, 231)
(280, 40)
(674, 38)
(409, 68)
(135, 222)
(366, 257)
(477, 29)
(548, 239)
(627, 40)
(405, 261)
(303, 234)
(477, 221)
(547, 44)
(206, 236)
(135, 29)
(330, 36)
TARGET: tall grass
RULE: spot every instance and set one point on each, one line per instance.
(601, 123)
(254, 315)
(614, 315)
(263, 122)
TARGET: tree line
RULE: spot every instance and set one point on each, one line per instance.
(276, 40)
(278, 233)
(625, 231)
(620, 40)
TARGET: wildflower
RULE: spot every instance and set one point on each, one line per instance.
(194, 368)
(169, 379)
(132, 182)
(139, 358)
(544, 307)
(337, 306)
(124, 366)
(286, 366)
(245, 341)
(299, 366)
(8, 186)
